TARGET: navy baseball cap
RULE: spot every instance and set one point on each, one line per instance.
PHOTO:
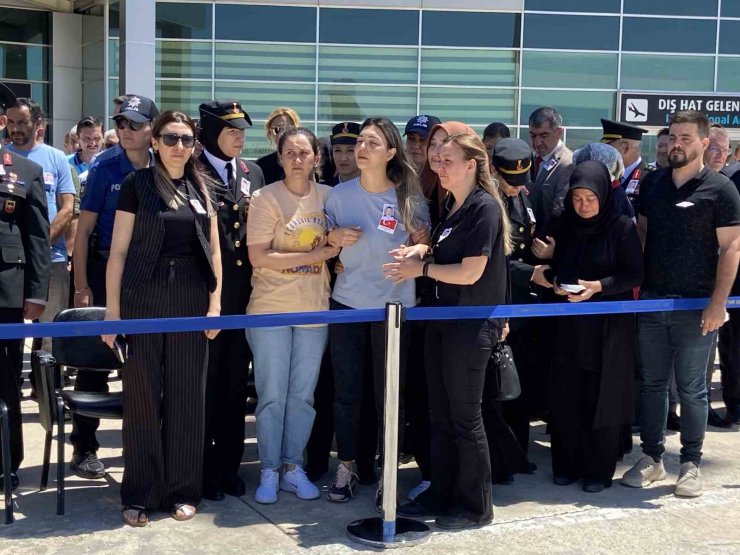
(421, 124)
(139, 109)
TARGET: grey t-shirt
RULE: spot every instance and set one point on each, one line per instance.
(362, 283)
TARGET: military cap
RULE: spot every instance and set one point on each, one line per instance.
(7, 98)
(230, 112)
(139, 109)
(615, 130)
(512, 159)
(422, 125)
(345, 133)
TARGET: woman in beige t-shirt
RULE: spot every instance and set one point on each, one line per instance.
(286, 237)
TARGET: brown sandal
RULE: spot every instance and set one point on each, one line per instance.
(136, 522)
(183, 511)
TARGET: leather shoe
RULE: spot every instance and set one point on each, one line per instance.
(716, 421)
(14, 481)
(673, 422)
(413, 509)
(594, 486)
(234, 486)
(562, 480)
(213, 493)
(459, 522)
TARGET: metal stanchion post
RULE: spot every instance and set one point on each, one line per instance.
(389, 531)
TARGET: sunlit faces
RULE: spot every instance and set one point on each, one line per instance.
(452, 167)
(435, 143)
(21, 127)
(344, 160)
(176, 155)
(416, 147)
(231, 141)
(91, 140)
(719, 149)
(685, 144)
(133, 140)
(544, 139)
(585, 203)
(298, 157)
(372, 149)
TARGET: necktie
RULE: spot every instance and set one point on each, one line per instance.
(536, 167)
(231, 181)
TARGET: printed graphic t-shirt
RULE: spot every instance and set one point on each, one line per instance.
(289, 223)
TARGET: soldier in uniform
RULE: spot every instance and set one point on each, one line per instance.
(24, 269)
(627, 139)
(512, 160)
(222, 126)
(343, 139)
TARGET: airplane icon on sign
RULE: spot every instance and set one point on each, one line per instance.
(637, 110)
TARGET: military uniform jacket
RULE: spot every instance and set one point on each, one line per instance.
(24, 231)
(551, 185)
(522, 261)
(631, 184)
(232, 208)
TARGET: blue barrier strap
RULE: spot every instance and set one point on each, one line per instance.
(162, 325)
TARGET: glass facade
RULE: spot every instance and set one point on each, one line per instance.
(347, 63)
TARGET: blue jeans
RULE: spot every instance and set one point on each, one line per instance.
(286, 361)
(666, 341)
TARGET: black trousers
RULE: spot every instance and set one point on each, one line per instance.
(456, 357)
(229, 356)
(83, 438)
(729, 362)
(579, 450)
(417, 401)
(348, 344)
(11, 366)
(164, 382)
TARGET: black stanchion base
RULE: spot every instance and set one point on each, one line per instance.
(369, 531)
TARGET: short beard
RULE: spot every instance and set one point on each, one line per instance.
(685, 161)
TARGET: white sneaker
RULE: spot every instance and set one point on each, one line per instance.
(296, 481)
(418, 490)
(645, 472)
(689, 481)
(267, 491)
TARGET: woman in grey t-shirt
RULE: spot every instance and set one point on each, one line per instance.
(370, 216)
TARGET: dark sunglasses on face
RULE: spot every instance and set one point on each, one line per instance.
(123, 123)
(171, 139)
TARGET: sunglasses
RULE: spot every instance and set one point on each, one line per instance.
(278, 130)
(171, 139)
(123, 123)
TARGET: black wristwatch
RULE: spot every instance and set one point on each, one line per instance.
(425, 269)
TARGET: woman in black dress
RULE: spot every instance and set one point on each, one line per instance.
(597, 257)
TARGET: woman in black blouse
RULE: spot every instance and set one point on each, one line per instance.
(164, 262)
(597, 257)
(469, 268)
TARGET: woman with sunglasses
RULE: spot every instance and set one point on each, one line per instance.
(278, 121)
(165, 262)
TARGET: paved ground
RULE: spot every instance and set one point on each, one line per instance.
(531, 515)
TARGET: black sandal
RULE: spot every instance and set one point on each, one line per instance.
(183, 511)
(137, 522)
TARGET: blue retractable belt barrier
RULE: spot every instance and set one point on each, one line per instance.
(161, 325)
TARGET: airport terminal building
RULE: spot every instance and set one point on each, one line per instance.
(334, 60)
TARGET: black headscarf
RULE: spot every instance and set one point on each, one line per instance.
(210, 129)
(594, 176)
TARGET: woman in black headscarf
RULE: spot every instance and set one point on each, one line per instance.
(597, 257)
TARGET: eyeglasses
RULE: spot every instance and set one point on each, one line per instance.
(171, 139)
(719, 150)
(123, 123)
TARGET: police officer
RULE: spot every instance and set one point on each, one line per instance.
(627, 139)
(222, 126)
(92, 246)
(511, 160)
(24, 269)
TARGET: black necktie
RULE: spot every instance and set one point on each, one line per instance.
(231, 181)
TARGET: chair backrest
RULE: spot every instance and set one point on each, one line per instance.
(44, 368)
(88, 352)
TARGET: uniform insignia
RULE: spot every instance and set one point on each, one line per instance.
(243, 166)
(133, 103)
(7, 159)
(235, 110)
(345, 129)
(518, 165)
(12, 177)
(11, 187)
(9, 206)
(551, 163)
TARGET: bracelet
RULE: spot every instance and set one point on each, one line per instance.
(425, 269)
(78, 291)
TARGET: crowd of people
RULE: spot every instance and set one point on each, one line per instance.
(168, 220)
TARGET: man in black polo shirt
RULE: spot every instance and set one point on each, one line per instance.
(690, 222)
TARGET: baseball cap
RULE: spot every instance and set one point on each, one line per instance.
(138, 108)
(421, 124)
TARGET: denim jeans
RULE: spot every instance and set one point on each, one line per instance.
(286, 361)
(673, 341)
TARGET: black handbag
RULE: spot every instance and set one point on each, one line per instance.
(503, 370)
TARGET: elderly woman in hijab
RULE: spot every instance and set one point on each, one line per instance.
(612, 159)
(597, 258)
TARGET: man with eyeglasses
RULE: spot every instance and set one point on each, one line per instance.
(92, 246)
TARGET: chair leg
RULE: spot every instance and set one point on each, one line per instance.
(47, 460)
(60, 456)
(7, 480)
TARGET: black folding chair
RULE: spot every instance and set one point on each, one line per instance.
(7, 479)
(82, 353)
